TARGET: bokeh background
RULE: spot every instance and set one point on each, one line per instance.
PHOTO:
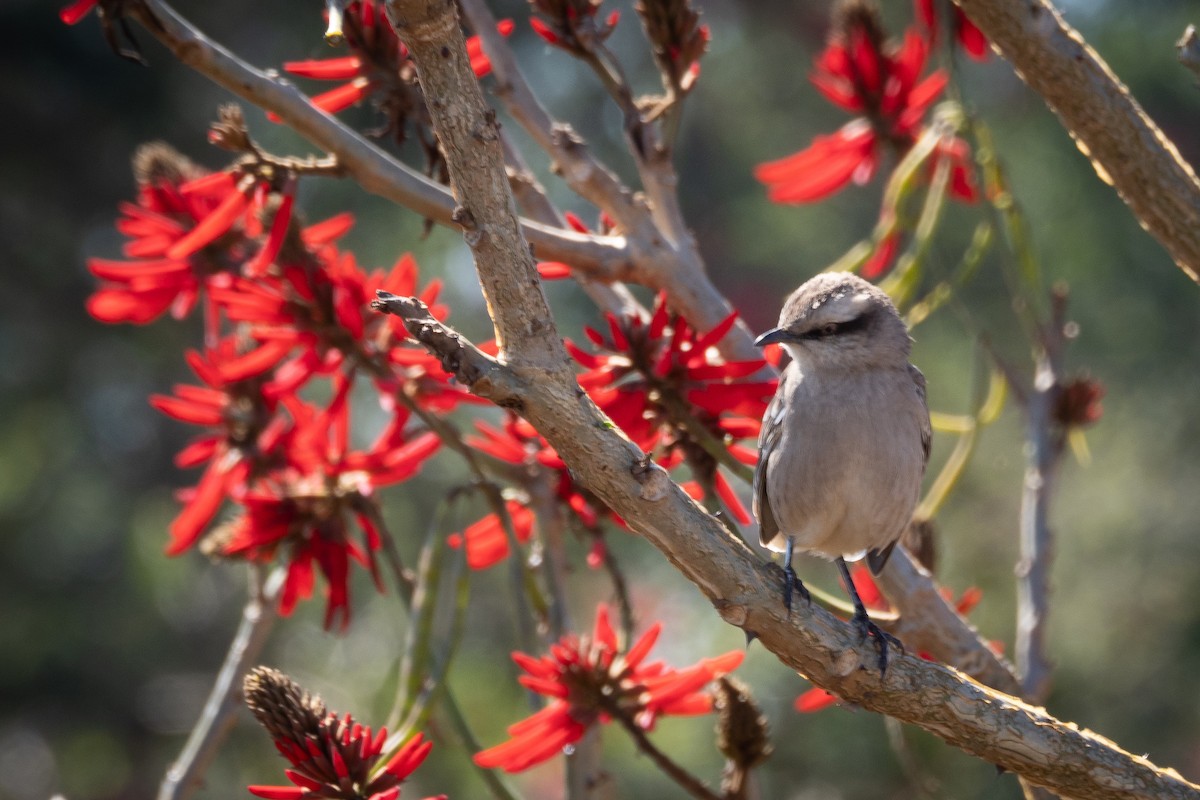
(107, 647)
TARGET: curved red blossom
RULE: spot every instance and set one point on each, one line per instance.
(306, 508)
(518, 443)
(486, 540)
(815, 699)
(183, 236)
(378, 59)
(860, 73)
(592, 681)
(640, 360)
(669, 389)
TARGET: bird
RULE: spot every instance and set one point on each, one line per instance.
(845, 440)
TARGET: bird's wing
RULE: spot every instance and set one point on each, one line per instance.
(877, 559)
(768, 440)
(926, 428)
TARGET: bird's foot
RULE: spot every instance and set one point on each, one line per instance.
(883, 640)
(792, 585)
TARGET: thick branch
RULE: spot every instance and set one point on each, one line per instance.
(1126, 148)
(928, 623)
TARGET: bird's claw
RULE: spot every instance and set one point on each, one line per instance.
(883, 640)
(792, 585)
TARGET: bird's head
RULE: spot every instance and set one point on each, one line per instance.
(839, 320)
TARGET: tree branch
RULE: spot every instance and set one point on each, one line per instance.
(606, 257)
(1126, 148)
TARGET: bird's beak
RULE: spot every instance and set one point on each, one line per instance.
(772, 336)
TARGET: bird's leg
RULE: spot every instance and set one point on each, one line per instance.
(790, 582)
(863, 623)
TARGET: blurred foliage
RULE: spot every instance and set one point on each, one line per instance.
(109, 646)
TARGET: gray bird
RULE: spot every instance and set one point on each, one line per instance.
(845, 440)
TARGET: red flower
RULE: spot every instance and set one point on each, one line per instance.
(591, 681)
(661, 381)
(331, 756)
(858, 72)
(378, 59)
(968, 36)
(304, 506)
(243, 432)
(518, 443)
(185, 234)
(486, 541)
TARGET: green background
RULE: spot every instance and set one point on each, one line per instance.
(107, 647)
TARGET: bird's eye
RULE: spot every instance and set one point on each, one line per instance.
(829, 329)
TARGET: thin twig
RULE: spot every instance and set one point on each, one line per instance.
(1045, 445)
(186, 774)
(686, 780)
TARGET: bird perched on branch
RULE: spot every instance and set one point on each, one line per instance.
(845, 440)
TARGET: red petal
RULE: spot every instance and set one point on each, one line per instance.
(199, 511)
(76, 11)
(277, 792)
(553, 270)
(328, 230)
(828, 164)
(730, 498)
(255, 362)
(270, 250)
(603, 631)
(212, 226)
(342, 97)
(971, 38)
(814, 700)
(543, 30)
(187, 410)
(125, 271)
(327, 69)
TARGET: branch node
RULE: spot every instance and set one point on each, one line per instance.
(656, 484)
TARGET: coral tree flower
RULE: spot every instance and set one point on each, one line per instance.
(664, 384)
(860, 72)
(517, 443)
(379, 66)
(188, 231)
(304, 507)
(331, 756)
(591, 681)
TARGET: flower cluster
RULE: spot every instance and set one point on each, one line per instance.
(283, 306)
(861, 72)
(572, 24)
(592, 681)
(331, 756)
(519, 445)
(666, 386)
(379, 66)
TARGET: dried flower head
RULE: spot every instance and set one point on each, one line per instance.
(331, 756)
